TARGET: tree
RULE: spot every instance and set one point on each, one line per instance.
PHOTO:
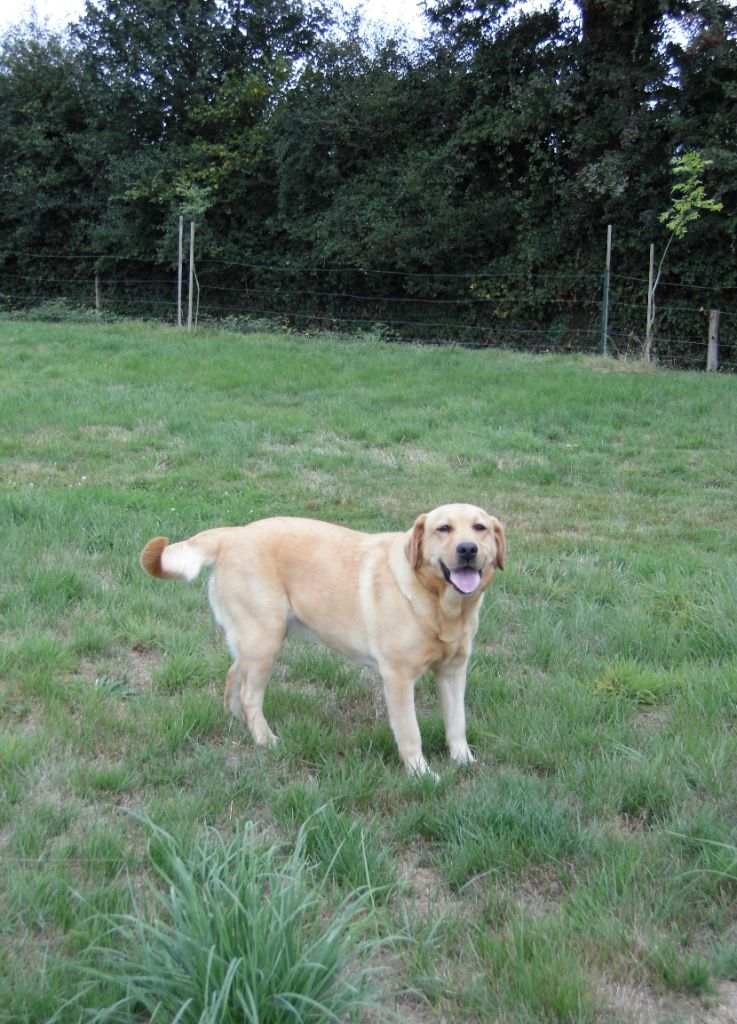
(704, 119)
(182, 92)
(45, 181)
(464, 171)
(159, 61)
(688, 202)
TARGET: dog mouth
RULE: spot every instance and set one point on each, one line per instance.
(465, 579)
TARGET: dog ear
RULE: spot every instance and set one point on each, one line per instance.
(413, 547)
(501, 542)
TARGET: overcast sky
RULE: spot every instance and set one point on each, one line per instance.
(405, 13)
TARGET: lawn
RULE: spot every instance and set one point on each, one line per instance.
(584, 870)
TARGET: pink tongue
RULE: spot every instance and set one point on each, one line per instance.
(466, 580)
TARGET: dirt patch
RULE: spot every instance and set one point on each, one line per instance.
(641, 1006)
(637, 1005)
(508, 464)
(602, 364)
(425, 890)
(141, 664)
(130, 670)
(107, 433)
(725, 1012)
(402, 455)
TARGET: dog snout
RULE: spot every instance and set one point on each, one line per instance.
(467, 550)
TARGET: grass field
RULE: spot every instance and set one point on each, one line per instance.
(152, 860)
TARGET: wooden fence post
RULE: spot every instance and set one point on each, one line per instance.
(191, 274)
(712, 354)
(98, 294)
(650, 306)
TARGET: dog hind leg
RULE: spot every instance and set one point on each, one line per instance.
(244, 697)
(254, 678)
(232, 699)
(254, 648)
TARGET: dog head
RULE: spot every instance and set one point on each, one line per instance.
(458, 546)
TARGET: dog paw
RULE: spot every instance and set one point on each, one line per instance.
(461, 755)
(420, 769)
(263, 736)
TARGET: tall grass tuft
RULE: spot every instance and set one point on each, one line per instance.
(232, 933)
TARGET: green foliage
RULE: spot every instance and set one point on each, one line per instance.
(350, 180)
(47, 180)
(689, 193)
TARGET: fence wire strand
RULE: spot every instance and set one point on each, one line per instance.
(560, 310)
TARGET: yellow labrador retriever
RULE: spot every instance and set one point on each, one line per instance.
(401, 603)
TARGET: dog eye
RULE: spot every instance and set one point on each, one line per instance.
(445, 528)
(479, 527)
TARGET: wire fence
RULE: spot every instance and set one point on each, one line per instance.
(557, 311)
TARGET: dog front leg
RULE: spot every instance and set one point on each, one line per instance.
(399, 693)
(451, 683)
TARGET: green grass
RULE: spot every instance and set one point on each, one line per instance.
(233, 932)
(591, 851)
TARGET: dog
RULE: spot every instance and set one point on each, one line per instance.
(401, 603)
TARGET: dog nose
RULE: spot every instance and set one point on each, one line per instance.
(467, 550)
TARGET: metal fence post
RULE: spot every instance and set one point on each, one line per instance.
(605, 297)
(179, 273)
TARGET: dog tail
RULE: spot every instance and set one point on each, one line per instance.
(184, 560)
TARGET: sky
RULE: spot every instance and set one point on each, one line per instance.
(405, 14)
